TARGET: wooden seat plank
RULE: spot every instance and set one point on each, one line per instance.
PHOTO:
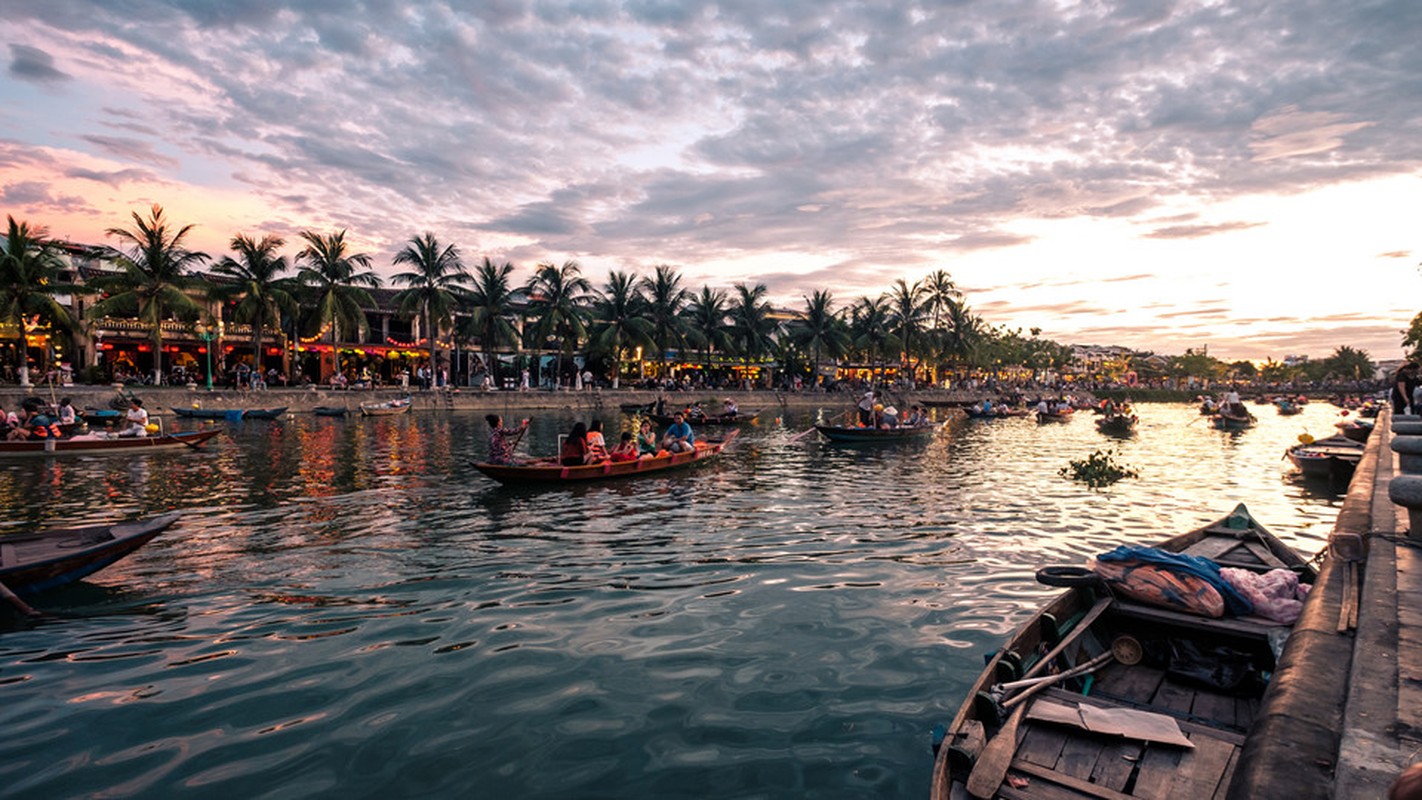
(1174, 696)
(1190, 728)
(1215, 706)
(1234, 627)
(1079, 755)
(1157, 772)
(1212, 547)
(1201, 769)
(1222, 791)
(1039, 775)
(1041, 744)
(1264, 554)
(1116, 763)
(1138, 684)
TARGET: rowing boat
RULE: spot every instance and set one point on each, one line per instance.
(99, 444)
(385, 409)
(1154, 698)
(1232, 422)
(713, 419)
(1117, 424)
(1334, 458)
(997, 412)
(1060, 415)
(330, 411)
(549, 470)
(857, 435)
(35, 562)
(230, 414)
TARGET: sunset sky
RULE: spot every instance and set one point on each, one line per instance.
(1238, 175)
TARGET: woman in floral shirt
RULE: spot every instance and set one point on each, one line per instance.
(502, 441)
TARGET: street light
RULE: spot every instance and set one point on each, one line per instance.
(207, 335)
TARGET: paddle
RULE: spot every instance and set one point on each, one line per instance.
(15, 601)
(802, 434)
(995, 759)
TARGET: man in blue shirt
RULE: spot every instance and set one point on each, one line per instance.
(679, 438)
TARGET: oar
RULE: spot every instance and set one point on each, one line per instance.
(802, 434)
(995, 759)
(15, 601)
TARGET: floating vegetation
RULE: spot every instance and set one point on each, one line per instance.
(1097, 470)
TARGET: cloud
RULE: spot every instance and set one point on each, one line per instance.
(1200, 231)
(131, 150)
(35, 65)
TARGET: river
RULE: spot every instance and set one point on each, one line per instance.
(347, 608)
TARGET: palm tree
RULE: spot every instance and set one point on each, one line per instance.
(821, 330)
(962, 332)
(871, 329)
(940, 293)
(620, 320)
(263, 295)
(752, 329)
(706, 322)
(558, 299)
(330, 273)
(155, 281)
(907, 313)
(436, 283)
(29, 280)
(665, 300)
(490, 304)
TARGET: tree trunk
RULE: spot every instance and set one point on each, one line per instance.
(24, 355)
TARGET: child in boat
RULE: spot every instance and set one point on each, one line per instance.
(626, 449)
(597, 444)
(646, 439)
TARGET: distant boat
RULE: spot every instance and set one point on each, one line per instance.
(35, 562)
(739, 418)
(97, 444)
(230, 414)
(545, 471)
(1233, 422)
(1117, 424)
(849, 434)
(1335, 457)
(385, 409)
(330, 411)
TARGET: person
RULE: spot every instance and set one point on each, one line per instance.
(67, 415)
(597, 443)
(695, 412)
(1042, 407)
(876, 415)
(502, 441)
(890, 418)
(136, 419)
(730, 408)
(866, 409)
(646, 439)
(404, 379)
(1403, 382)
(661, 406)
(917, 417)
(625, 450)
(523, 380)
(575, 447)
(679, 438)
(8, 420)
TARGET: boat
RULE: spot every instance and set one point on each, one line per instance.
(1334, 458)
(854, 434)
(1057, 415)
(229, 414)
(710, 419)
(101, 416)
(1117, 424)
(549, 470)
(385, 409)
(1356, 429)
(996, 412)
(636, 408)
(330, 411)
(1233, 422)
(31, 563)
(100, 444)
(1184, 689)
(1288, 408)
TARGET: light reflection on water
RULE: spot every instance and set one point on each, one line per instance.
(347, 606)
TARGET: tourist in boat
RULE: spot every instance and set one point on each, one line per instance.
(575, 447)
(502, 441)
(66, 412)
(890, 418)
(136, 419)
(1233, 406)
(866, 410)
(624, 450)
(986, 407)
(8, 420)
(646, 439)
(679, 437)
(1043, 407)
(730, 408)
(917, 417)
(695, 412)
(597, 443)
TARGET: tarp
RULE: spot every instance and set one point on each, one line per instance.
(1202, 568)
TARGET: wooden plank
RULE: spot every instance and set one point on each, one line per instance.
(1200, 769)
(1157, 771)
(1265, 555)
(1252, 630)
(1216, 706)
(1190, 728)
(1245, 710)
(1137, 684)
(1174, 696)
(1116, 763)
(1041, 745)
(1222, 791)
(1212, 546)
(1079, 754)
(1080, 786)
(8, 557)
(1036, 790)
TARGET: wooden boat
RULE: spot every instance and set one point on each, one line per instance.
(1357, 430)
(857, 435)
(1288, 408)
(230, 414)
(95, 444)
(709, 420)
(1334, 458)
(330, 411)
(1059, 415)
(996, 412)
(35, 562)
(1233, 422)
(101, 416)
(1117, 424)
(1128, 657)
(550, 471)
(636, 408)
(385, 409)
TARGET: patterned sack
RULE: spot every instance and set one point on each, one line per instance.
(1156, 585)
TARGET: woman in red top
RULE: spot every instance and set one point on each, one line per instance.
(575, 447)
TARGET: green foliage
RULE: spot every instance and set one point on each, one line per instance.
(1097, 470)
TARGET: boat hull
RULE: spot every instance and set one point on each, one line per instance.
(719, 420)
(89, 447)
(389, 409)
(553, 473)
(36, 563)
(838, 433)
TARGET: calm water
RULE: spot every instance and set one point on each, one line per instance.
(348, 608)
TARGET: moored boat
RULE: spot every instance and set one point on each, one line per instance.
(1056, 415)
(1334, 458)
(739, 418)
(996, 412)
(99, 444)
(1356, 429)
(1154, 697)
(330, 411)
(1232, 422)
(854, 434)
(543, 471)
(385, 409)
(263, 413)
(35, 562)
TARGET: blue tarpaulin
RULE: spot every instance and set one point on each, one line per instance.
(1202, 568)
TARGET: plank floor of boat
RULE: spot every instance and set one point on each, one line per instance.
(1062, 762)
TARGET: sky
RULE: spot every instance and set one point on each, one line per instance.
(1237, 176)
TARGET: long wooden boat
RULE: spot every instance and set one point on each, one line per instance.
(35, 562)
(1117, 424)
(1197, 677)
(264, 413)
(856, 435)
(230, 414)
(99, 445)
(385, 409)
(1335, 458)
(1233, 422)
(330, 411)
(719, 420)
(997, 412)
(1056, 416)
(548, 470)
